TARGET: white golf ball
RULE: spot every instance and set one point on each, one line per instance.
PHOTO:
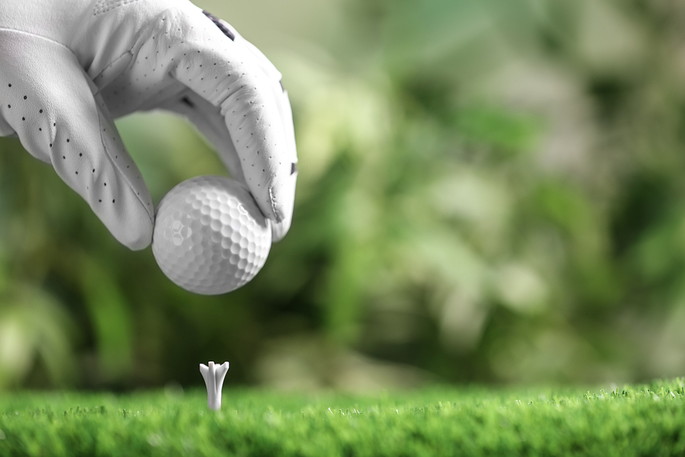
(210, 237)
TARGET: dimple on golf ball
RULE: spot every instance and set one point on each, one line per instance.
(210, 237)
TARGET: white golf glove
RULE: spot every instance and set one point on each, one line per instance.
(68, 67)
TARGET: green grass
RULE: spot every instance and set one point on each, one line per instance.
(642, 420)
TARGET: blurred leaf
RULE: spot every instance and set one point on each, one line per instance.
(112, 322)
(34, 336)
(508, 132)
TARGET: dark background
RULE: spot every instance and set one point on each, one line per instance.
(490, 191)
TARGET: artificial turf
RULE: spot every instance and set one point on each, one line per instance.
(639, 420)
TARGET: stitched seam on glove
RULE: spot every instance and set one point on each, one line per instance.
(104, 6)
(98, 77)
(120, 170)
(11, 30)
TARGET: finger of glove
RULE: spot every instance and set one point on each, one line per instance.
(280, 94)
(211, 124)
(51, 107)
(287, 186)
(226, 74)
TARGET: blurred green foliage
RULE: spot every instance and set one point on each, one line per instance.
(489, 192)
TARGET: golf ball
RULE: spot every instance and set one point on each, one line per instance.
(210, 237)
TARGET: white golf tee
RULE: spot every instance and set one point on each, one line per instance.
(214, 375)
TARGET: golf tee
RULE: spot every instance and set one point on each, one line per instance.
(214, 375)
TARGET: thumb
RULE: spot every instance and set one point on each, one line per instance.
(49, 101)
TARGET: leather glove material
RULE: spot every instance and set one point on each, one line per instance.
(69, 67)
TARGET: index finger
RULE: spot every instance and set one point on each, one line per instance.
(223, 68)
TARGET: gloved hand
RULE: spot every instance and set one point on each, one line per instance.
(68, 67)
